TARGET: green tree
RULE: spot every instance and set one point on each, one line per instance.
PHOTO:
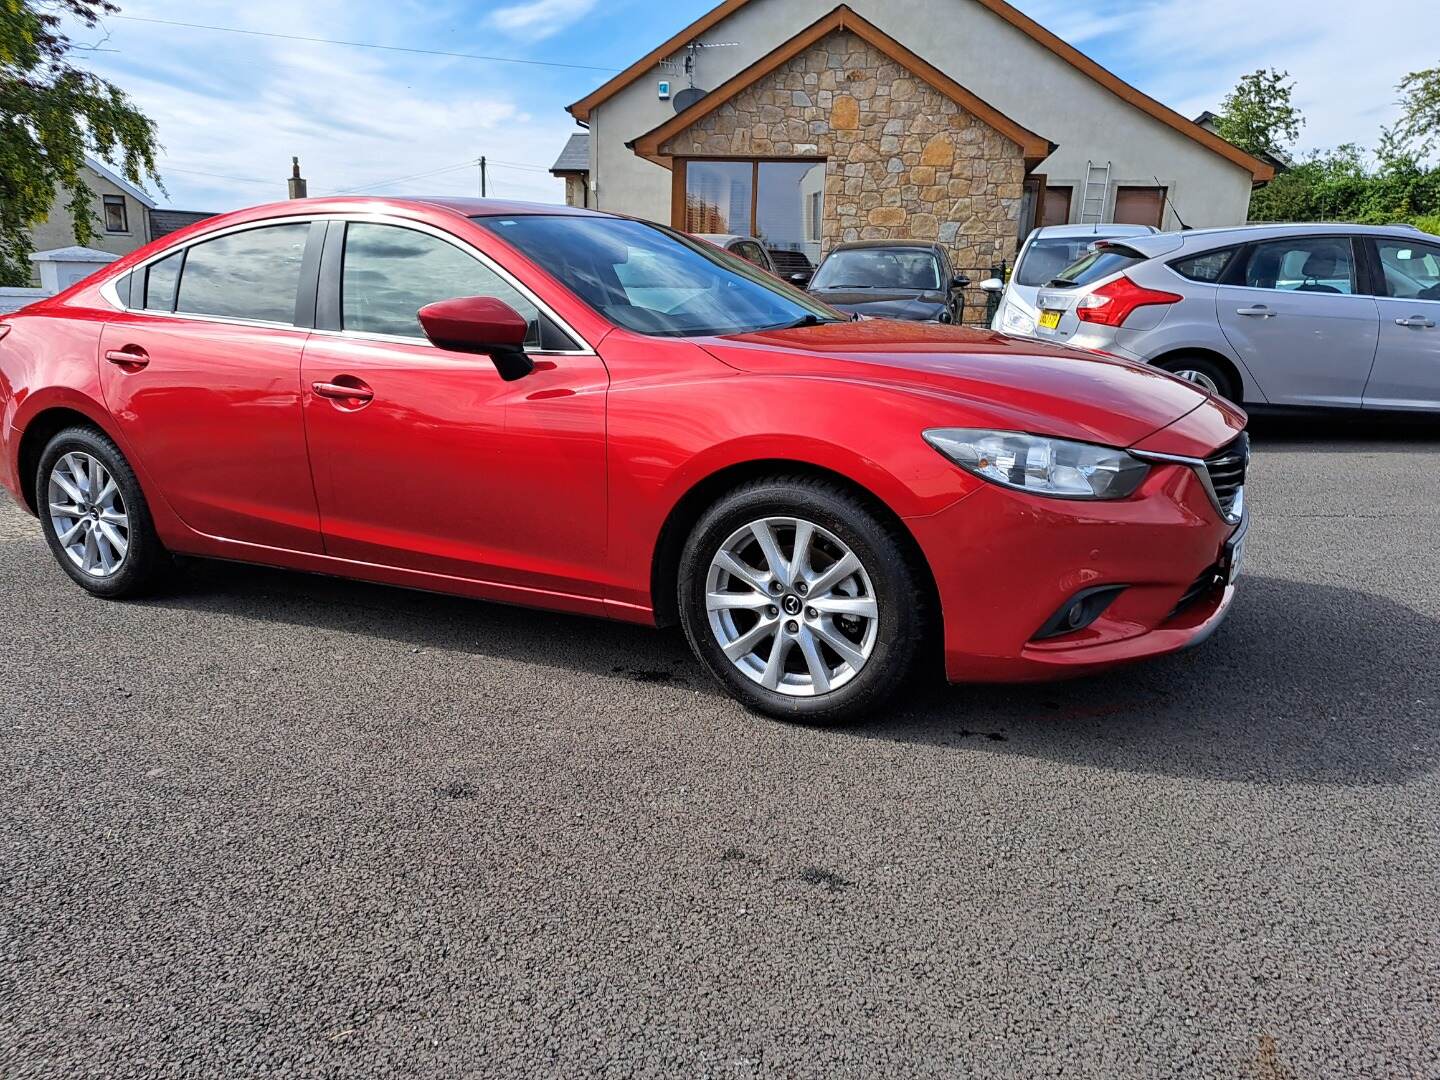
(51, 115)
(1420, 109)
(1258, 115)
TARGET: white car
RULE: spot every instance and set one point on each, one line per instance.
(1044, 254)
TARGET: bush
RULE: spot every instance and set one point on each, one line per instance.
(1339, 185)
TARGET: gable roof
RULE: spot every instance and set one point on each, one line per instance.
(575, 158)
(1026, 25)
(1034, 147)
(138, 194)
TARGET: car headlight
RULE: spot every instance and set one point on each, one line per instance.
(1017, 322)
(1040, 465)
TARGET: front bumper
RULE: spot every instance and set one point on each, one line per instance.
(1005, 561)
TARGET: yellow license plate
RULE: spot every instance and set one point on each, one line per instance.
(1049, 320)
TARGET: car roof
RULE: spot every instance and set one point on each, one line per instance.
(849, 245)
(1208, 239)
(723, 238)
(1095, 228)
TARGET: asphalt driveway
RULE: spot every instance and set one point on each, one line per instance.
(274, 825)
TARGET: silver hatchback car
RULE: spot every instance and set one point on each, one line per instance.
(1290, 316)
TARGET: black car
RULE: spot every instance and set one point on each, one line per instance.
(891, 279)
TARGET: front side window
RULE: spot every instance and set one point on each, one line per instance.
(1412, 270)
(1319, 264)
(652, 280)
(245, 275)
(879, 268)
(116, 218)
(391, 272)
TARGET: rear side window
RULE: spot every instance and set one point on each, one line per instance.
(1208, 266)
(1318, 264)
(1100, 263)
(160, 281)
(253, 274)
(391, 272)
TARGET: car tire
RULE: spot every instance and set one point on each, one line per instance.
(1202, 371)
(851, 642)
(106, 541)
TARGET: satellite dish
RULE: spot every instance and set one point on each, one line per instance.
(687, 97)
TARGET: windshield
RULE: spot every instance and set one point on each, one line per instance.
(655, 281)
(1045, 258)
(1095, 265)
(879, 268)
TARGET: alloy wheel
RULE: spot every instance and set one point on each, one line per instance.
(1199, 378)
(792, 606)
(88, 514)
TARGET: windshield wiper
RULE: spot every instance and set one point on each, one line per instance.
(804, 320)
(1061, 283)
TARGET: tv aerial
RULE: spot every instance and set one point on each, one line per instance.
(686, 65)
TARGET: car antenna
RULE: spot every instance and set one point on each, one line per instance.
(1171, 203)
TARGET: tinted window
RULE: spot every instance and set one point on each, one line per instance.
(1047, 257)
(1100, 263)
(1412, 270)
(879, 268)
(1319, 264)
(652, 280)
(246, 275)
(751, 252)
(160, 281)
(391, 272)
(1207, 266)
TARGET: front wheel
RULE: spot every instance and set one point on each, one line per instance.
(1203, 372)
(94, 515)
(800, 600)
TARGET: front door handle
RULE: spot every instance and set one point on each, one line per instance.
(130, 358)
(1259, 311)
(1416, 320)
(344, 390)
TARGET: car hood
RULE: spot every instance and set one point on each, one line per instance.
(885, 303)
(1003, 382)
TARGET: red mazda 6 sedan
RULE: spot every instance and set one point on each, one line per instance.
(576, 411)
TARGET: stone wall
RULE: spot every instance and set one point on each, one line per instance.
(903, 161)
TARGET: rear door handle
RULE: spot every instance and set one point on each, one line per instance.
(355, 391)
(1259, 311)
(130, 358)
(1415, 320)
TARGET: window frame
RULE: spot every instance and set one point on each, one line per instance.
(314, 298)
(106, 202)
(1362, 274)
(1375, 267)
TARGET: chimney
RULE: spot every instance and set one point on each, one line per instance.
(296, 182)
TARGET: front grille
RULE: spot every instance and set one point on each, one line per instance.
(1227, 471)
(1198, 588)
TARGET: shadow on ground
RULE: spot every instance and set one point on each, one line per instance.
(1304, 683)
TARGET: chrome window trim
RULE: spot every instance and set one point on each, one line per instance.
(112, 296)
(1201, 470)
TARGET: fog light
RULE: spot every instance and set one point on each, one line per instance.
(1079, 611)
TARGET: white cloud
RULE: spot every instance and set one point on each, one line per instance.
(540, 18)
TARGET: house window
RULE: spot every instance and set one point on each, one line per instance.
(116, 218)
(782, 203)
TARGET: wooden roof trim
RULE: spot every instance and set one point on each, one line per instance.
(1260, 170)
(1034, 147)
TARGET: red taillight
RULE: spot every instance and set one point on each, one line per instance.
(1111, 305)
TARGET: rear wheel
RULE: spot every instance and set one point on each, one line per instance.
(801, 601)
(1204, 372)
(94, 515)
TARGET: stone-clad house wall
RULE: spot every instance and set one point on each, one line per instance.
(903, 161)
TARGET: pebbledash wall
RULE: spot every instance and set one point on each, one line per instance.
(902, 160)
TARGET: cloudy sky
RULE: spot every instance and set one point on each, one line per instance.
(233, 107)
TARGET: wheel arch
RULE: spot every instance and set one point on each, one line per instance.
(38, 430)
(1236, 374)
(681, 520)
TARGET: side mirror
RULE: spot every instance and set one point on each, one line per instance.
(959, 281)
(480, 324)
(993, 285)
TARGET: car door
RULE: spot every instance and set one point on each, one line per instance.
(202, 373)
(1295, 316)
(435, 463)
(1407, 365)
